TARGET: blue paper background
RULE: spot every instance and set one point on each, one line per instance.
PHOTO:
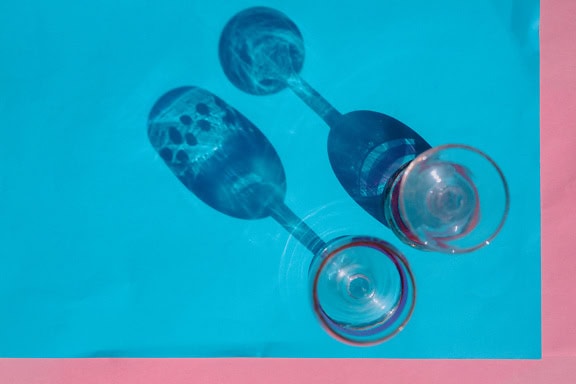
(104, 253)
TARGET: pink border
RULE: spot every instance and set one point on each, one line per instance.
(552, 370)
(558, 365)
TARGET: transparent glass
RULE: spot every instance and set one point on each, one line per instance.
(262, 52)
(227, 162)
(451, 199)
(362, 289)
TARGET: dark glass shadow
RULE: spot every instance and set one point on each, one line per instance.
(262, 52)
(261, 64)
(224, 159)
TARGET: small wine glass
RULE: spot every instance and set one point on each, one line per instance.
(362, 290)
(262, 52)
(451, 199)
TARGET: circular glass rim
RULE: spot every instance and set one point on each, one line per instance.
(407, 281)
(423, 157)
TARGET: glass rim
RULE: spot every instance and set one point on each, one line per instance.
(423, 157)
(401, 310)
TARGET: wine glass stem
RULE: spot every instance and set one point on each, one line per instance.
(314, 100)
(297, 228)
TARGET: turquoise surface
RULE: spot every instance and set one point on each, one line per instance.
(104, 253)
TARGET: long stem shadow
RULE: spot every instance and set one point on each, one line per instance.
(262, 52)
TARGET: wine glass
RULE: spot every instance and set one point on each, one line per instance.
(262, 52)
(452, 198)
(362, 288)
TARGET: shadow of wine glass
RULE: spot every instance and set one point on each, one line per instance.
(262, 52)
(362, 289)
